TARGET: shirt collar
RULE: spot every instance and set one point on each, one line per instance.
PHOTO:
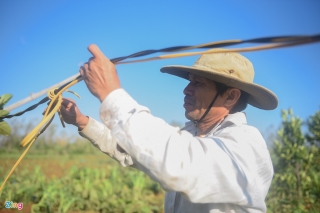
(238, 118)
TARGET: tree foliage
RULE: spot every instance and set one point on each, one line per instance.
(4, 126)
(314, 129)
(296, 185)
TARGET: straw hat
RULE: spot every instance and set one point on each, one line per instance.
(231, 69)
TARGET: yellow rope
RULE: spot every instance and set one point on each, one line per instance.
(54, 106)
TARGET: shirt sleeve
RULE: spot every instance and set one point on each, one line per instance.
(100, 136)
(202, 169)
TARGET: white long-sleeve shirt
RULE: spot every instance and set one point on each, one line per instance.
(228, 170)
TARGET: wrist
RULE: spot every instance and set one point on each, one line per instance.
(82, 123)
(102, 96)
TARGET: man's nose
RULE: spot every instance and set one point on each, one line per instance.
(189, 90)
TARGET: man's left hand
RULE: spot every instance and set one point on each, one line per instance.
(99, 74)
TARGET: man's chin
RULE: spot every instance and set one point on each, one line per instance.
(189, 116)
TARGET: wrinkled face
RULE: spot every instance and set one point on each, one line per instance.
(199, 93)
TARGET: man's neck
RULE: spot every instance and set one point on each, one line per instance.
(205, 126)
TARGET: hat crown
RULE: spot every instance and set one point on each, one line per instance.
(231, 64)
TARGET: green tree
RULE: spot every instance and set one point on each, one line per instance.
(314, 129)
(4, 126)
(295, 177)
(313, 137)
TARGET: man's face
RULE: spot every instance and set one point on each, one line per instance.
(199, 93)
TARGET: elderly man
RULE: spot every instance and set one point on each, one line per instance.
(216, 163)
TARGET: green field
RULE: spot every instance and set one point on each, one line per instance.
(78, 183)
(65, 173)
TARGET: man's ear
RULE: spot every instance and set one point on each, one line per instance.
(233, 96)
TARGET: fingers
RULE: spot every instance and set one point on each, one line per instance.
(67, 102)
(83, 72)
(63, 110)
(95, 51)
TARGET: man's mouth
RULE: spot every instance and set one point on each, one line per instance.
(187, 103)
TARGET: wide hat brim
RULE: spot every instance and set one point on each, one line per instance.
(259, 96)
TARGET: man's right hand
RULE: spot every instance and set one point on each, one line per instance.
(99, 74)
(72, 115)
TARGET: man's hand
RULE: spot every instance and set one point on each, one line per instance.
(72, 115)
(100, 74)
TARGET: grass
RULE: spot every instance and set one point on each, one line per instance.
(78, 183)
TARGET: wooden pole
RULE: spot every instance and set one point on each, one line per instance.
(34, 96)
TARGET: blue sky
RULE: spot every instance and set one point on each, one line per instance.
(44, 42)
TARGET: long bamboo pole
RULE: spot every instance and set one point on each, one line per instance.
(34, 96)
